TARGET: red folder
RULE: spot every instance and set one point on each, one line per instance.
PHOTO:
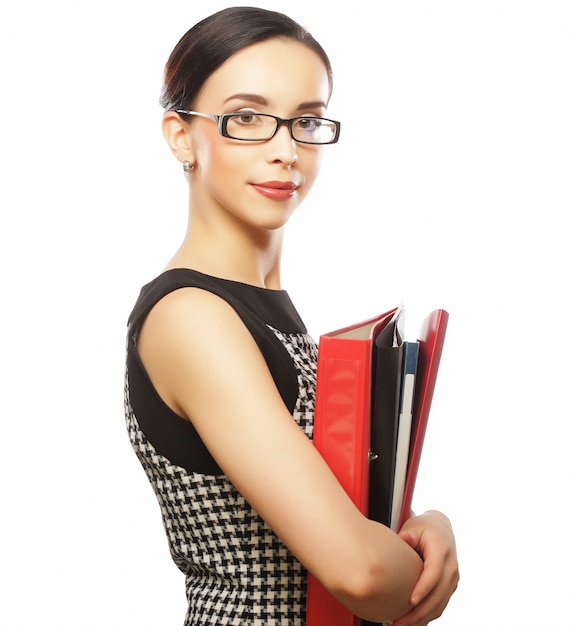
(342, 434)
(431, 340)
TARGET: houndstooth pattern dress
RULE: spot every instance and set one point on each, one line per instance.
(237, 572)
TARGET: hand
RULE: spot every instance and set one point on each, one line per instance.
(432, 537)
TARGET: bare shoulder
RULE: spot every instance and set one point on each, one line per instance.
(187, 308)
(188, 340)
(185, 318)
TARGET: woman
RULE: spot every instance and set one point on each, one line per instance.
(220, 371)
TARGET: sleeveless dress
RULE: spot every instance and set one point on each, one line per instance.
(237, 572)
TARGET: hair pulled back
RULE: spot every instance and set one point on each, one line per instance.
(208, 44)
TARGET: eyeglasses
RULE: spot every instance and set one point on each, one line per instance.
(260, 127)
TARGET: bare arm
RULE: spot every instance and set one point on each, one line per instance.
(212, 373)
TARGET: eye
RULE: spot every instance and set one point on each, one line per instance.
(309, 124)
(246, 119)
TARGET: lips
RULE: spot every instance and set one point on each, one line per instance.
(276, 189)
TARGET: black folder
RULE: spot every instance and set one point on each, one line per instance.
(385, 405)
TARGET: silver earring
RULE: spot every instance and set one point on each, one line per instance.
(187, 167)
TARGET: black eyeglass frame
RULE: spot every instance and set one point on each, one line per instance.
(222, 120)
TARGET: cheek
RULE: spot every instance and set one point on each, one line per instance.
(213, 156)
(219, 166)
(312, 164)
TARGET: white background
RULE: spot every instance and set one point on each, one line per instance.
(452, 187)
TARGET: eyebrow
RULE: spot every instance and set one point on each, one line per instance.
(257, 99)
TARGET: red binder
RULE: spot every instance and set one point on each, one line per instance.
(342, 434)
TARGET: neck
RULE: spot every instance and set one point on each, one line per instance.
(241, 255)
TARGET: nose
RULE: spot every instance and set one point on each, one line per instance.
(282, 147)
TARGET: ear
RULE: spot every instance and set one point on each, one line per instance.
(176, 134)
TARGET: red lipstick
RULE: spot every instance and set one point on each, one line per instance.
(276, 189)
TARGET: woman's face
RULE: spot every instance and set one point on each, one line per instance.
(235, 178)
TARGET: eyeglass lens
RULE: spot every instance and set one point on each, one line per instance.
(253, 127)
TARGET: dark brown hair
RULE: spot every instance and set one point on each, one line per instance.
(208, 44)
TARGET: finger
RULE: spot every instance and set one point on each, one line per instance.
(429, 609)
(433, 605)
(410, 537)
(427, 582)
